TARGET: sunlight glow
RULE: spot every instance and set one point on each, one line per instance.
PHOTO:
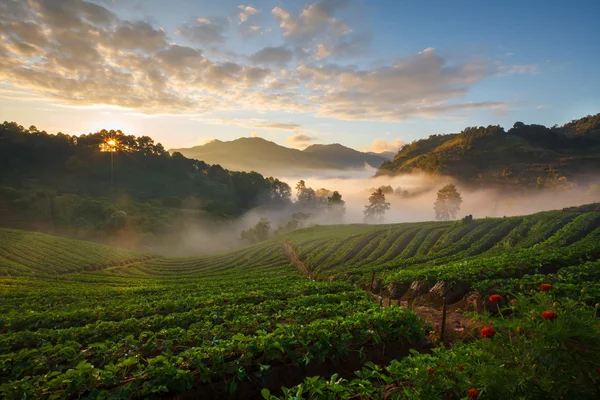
(110, 145)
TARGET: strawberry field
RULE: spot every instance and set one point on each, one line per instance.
(80, 320)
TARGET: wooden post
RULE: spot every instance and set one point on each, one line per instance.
(381, 293)
(372, 281)
(389, 301)
(443, 318)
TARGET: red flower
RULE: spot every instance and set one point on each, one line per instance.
(513, 301)
(488, 332)
(545, 287)
(459, 367)
(549, 315)
(473, 393)
(430, 370)
(495, 298)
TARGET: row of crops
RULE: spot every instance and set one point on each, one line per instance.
(484, 249)
(27, 253)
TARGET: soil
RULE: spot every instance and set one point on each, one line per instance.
(458, 326)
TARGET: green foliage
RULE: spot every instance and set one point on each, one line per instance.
(492, 157)
(142, 327)
(31, 159)
(164, 326)
(528, 358)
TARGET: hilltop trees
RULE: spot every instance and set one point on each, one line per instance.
(143, 171)
(306, 197)
(322, 196)
(448, 203)
(280, 193)
(375, 210)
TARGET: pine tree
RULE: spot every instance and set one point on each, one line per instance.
(375, 210)
(448, 203)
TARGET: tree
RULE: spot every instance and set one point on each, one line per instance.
(448, 203)
(306, 196)
(280, 192)
(375, 210)
(335, 206)
(258, 233)
(387, 189)
(321, 197)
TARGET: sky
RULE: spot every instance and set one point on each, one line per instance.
(371, 75)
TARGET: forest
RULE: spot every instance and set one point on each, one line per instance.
(523, 157)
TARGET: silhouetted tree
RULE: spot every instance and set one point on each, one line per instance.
(448, 203)
(387, 189)
(375, 210)
(306, 196)
(336, 206)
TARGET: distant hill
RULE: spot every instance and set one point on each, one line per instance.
(386, 154)
(523, 156)
(260, 155)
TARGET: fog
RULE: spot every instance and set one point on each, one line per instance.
(191, 237)
(355, 189)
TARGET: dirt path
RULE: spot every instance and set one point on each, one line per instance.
(458, 326)
(290, 253)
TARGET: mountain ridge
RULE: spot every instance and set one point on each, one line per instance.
(265, 156)
(525, 156)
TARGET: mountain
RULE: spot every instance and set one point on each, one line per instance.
(389, 155)
(523, 156)
(260, 155)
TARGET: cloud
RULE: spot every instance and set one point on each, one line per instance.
(344, 46)
(139, 36)
(82, 54)
(255, 135)
(272, 55)
(383, 146)
(301, 140)
(251, 30)
(255, 123)
(245, 12)
(205, 31)
(421, 85)
(542, 106)
(315, 19)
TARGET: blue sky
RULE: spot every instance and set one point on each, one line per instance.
(365, 74)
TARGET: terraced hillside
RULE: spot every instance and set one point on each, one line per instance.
(27, 253)
(80, 320)
(473, 253)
